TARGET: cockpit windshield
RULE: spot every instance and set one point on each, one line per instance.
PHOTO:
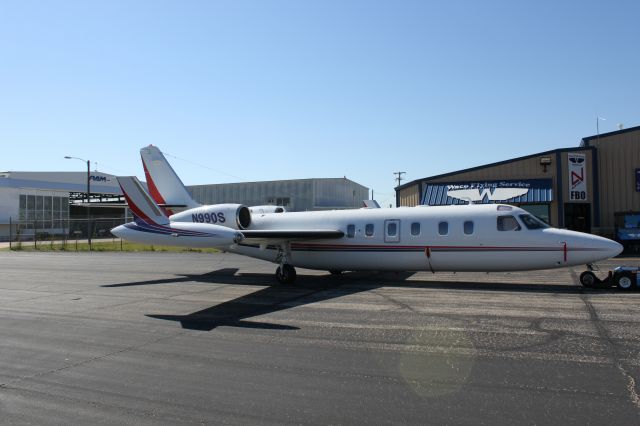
(532, 222)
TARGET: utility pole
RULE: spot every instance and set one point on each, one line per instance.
(399, 176)
(598, 127)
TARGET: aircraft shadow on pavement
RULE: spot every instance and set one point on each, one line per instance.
(308, 289)
(272, 298)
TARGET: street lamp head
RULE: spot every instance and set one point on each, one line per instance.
(68, 157)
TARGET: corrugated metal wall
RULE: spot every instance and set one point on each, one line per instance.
(618, 158)
(529, 168)
(303, 194)
(338, 193)
(410, 196)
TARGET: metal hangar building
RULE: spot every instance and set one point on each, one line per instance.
(55, 203)
(587, 188)
(294, 195)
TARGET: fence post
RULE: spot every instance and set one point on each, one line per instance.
(10, 232)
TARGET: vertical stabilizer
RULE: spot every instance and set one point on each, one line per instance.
(165, 186)
(140, 202)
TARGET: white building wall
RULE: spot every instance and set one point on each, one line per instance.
(9, 204)
(10, 208)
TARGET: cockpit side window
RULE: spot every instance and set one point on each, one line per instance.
(508, 223)
(532, 222)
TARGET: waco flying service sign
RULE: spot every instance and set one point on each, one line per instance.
(484, 192)
(577, 177)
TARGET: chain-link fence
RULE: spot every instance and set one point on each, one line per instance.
(65, 231)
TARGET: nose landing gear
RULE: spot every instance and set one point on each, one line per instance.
(623, 277)
(588, 279)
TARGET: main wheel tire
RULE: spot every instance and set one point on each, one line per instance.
(588, 279)
(286, 274)
(624, 281)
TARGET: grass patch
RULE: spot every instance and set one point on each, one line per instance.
(102, 245)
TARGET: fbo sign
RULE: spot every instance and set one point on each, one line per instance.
(577, 177)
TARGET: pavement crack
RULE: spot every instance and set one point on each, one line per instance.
(613, 351)
(394, 301)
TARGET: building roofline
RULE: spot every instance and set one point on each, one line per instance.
(278, 181)
(499, 163)
(585, 140)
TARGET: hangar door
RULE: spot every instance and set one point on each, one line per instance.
(577, 217)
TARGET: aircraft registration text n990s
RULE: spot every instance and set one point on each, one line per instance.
(208, 217)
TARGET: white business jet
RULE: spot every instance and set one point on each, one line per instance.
(480, 238)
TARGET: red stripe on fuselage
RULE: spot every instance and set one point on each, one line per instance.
(432, 248)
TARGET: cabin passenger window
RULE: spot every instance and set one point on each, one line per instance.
(368, 230)
(468, 227)
(351, 231)
(415, 228)
(392, 229)
(508, 223)
(443, 228)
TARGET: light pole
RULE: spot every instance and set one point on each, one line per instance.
(88, 196)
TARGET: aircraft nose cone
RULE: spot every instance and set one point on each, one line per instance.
(606, 247)
(614, 248)
(587, 248)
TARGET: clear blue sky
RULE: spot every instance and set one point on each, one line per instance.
(262, 90)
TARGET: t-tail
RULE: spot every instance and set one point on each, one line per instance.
(165, 186)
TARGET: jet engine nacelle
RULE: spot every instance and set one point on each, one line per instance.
(266, 209)
(234, 216)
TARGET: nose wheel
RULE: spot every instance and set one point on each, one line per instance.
(286, 274)
(588, 279)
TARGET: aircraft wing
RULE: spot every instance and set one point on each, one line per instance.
(274, 236)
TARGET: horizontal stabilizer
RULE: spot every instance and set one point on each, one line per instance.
(140, 202)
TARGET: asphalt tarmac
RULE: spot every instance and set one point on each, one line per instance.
(159, 338)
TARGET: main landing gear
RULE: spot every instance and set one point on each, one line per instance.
(285, 274)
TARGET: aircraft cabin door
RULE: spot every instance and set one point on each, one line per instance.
(392, 231)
